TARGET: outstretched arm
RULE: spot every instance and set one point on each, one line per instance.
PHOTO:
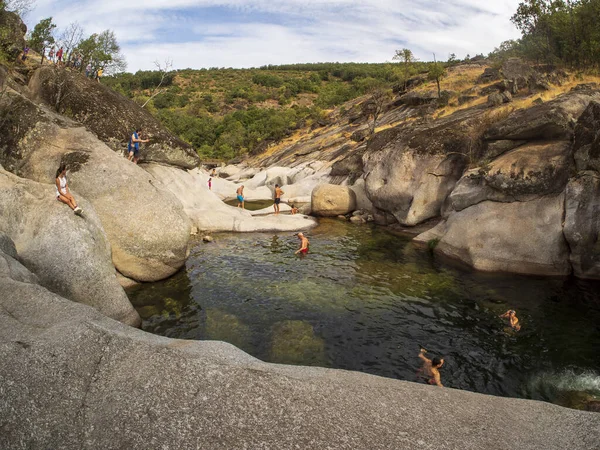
(437, 379)
(505, 315)
(422, 355)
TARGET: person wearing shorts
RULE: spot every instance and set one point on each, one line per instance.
(240, 196)
(134, 146)
(63, 194)
(278, 194)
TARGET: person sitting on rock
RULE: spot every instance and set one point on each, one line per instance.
(240, 196)
(134, 145)
(430, 369)
(63, 194)
(303, 244)
(294, 210)
(511, 314)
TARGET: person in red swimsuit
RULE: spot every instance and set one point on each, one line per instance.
(303, 244)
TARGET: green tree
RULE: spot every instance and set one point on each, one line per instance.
(406, 58)
(102, 51)
(436, 72)
(42, 36)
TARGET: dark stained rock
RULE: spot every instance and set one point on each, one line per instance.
(12, 37)
(528, 172)
(112, 117)
(515, 68)
(414, 98)
(466, 99)
(582, 224)
(587, 139)
(489, 74)
(552, 120)
(493, 149)
(360, 135)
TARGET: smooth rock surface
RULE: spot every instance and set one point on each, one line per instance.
(582, 224)
(71, 378)
(145, 224)
(208, 212)
(330, 200)
(409, 185)
(70, 255)
(518, 237)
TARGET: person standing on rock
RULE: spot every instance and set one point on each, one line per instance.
(430, 369)
(303, 250)
(25, 53)
(63, 194)
(240, 196)
(59, 56)
(210, 184)
(278, 194)
(511, 315)
(134, 145)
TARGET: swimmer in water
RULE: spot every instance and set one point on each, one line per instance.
(303, 244)
(430, 369)
(512, 318)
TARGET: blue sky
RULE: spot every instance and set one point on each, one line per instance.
(251, 33)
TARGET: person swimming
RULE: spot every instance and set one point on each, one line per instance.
(430, 370)
(303, 244)
(513, 320)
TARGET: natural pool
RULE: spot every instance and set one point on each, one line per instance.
(365, 299)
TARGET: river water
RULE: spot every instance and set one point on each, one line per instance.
(365, 299)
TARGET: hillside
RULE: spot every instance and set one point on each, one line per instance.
(225, 113)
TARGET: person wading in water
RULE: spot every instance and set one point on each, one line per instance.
(430, 370)
(512, 318)
(303, 250)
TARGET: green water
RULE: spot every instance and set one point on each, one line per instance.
(364, 299)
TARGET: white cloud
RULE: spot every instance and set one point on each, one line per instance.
(291, 31)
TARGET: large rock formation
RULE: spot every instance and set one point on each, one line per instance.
(70, 255)
(144, 222)
(519, 237)
(110, 115)
(12, 38)
(69, 374)
(208, 212)
(330, 200)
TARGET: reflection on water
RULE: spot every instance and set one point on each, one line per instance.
(365, 300)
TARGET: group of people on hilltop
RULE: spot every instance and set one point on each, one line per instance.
(74, 60)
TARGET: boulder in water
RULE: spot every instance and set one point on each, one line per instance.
(330, 200)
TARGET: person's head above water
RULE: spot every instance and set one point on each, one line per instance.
(300, 235)
(437, 362)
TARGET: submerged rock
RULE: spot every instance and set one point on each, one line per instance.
(294, 342)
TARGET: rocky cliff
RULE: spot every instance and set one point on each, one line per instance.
(513, 184)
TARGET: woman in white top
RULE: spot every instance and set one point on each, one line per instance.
(63, 194)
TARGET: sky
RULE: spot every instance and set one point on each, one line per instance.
(252, 33)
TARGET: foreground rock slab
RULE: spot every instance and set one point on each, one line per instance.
(74, 379)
